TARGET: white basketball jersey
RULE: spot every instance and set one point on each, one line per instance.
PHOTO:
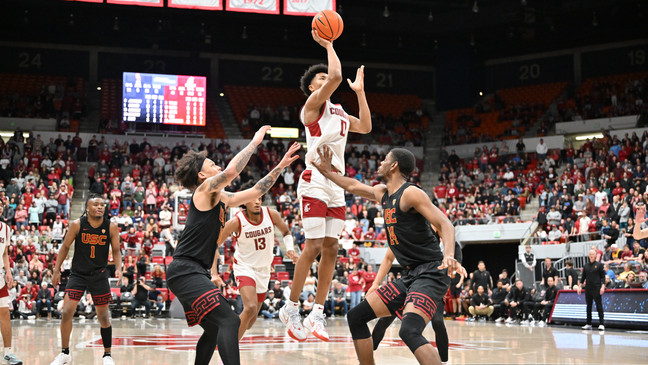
(5, 236)
(330, 129)
(255, 242)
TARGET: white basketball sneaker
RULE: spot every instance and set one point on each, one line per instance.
(316, 324)
(62, 359)
(587, 327)
(292, 320)
(108, 360)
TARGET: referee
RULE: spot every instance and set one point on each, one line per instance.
(594, 281)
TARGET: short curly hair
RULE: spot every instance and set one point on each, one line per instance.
(309, 75)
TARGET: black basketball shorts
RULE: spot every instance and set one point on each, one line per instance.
(424, 286)
(96, 283)
(196, 292)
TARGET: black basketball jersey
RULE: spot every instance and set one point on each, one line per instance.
(199, 239)
(91, 246)
(411, 238)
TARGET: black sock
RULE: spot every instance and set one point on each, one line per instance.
(66, 350)
(106, 354)
(106, 337)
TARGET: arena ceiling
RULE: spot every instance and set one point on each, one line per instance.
(397, 31)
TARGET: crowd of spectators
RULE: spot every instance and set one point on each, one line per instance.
(408, 126)
(59, 101)
(607, 99)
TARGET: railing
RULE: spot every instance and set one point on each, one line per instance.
(485, 220)
(579, 258)
(572, 238)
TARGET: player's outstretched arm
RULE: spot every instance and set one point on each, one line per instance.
(5, 261)
(415, 198)
(217, 183)
(385, 265)
(288, 239)
(362, 124)
(262, 187)
(313, 106)
(232, 226)
(115, 246)
(353, 186)
(65, 249)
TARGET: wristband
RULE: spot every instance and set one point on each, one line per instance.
(289, 242)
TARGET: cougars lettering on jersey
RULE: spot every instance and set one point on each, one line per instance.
(258, 233)
(255, 242)
(330, 129)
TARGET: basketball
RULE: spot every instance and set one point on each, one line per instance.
(328, 24)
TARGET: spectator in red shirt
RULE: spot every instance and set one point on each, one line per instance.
(358, 232)
(453, 192)
(370, 235)
(354, 252)
(369, 276)
(29, 289)
(356, 282)
(440, 191)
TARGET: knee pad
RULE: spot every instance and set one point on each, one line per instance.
(358, 317)
(411, 331)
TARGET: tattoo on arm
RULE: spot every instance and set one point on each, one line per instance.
(266, 183)
(241, 159)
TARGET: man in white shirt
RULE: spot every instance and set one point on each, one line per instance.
(554, 216)
(541, 150)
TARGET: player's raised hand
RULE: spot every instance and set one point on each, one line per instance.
(453, 266)
(290, 155)
(325, 157)
(258, 136)
(358, 84)
(321, 41)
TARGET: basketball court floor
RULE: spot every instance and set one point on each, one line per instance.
(170, 341)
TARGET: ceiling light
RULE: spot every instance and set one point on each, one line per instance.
(386, 12)
(430, 16)
(475, 8)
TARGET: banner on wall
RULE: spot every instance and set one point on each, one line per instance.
(158, 3)
(307, 7)
(253, 6)
(196, 4)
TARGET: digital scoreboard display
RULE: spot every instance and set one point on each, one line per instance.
(164, 99)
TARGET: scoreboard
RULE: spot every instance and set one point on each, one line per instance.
(164, 99)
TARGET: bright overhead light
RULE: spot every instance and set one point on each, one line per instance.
(589, 136)
(386, 13)
(221, 94)
(475, 8)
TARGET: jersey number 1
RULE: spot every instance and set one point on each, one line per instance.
(92, 252)
(259, 243)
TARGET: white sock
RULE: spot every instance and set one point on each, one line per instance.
(7, 351)
(292, 305)
(318, 308)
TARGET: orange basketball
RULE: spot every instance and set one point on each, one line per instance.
(328, 24)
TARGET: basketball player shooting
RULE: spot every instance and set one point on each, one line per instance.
(254, 230)
(322, 202)
(188, 275)
(93, 235)
(408, 216)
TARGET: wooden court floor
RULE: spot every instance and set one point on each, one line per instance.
(170, 341)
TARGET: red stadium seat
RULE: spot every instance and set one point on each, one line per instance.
(283, 275)
(277, 260)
